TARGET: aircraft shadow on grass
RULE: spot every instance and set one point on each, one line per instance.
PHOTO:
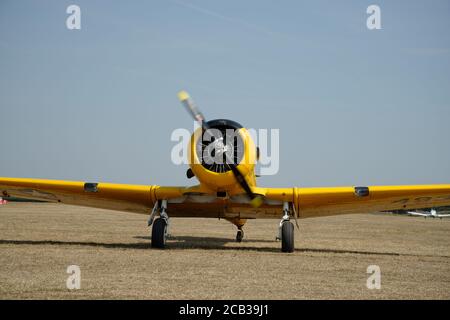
(191, 242)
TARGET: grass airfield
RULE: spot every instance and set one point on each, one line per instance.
(38, 241)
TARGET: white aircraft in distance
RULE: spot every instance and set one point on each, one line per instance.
(432, 214)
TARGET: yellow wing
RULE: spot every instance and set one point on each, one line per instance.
(313, 202)
(123, 197)
(183, 201)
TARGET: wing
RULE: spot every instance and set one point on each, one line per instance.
(123, 197)
(182, 201)
(443, 215)
(313, 202)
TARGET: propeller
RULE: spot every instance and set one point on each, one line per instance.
(255, 199)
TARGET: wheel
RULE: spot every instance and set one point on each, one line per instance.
(239, 235)
(287, 237)
(159, 232)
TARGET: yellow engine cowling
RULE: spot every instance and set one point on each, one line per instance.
(224, 181)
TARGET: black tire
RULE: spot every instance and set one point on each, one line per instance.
(159, 231)
(239, 236)
(287, 237)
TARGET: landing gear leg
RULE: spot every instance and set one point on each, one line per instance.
(286, 231)
(160, 225)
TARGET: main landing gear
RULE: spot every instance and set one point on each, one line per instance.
(160, 224)
(286, 231)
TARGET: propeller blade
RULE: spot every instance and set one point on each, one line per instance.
(255, 199)
(190, 106)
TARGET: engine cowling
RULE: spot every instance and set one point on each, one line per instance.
(212, 151)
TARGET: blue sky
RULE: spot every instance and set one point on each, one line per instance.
(353, 106)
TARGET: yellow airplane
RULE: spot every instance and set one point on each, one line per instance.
(226, 190)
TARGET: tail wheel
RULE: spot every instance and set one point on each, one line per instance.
(159, 233)
(287, 237)
(239, 235)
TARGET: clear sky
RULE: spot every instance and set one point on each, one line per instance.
(354, 106)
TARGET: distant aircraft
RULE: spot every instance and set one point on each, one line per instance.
(432, 213)
(227, 189)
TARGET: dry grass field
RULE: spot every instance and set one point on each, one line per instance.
(39, 241)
